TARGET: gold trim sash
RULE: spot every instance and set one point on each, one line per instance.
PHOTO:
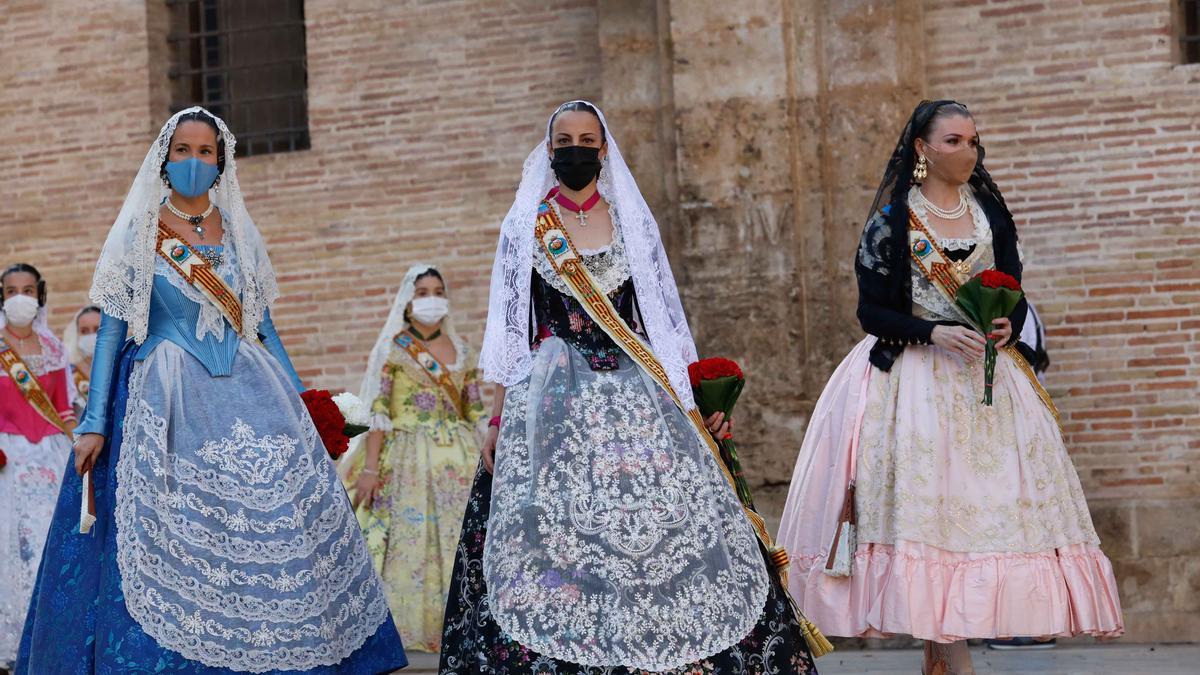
(432, 367)
(40, 401)
(566, 261)
(29, 386)
(198, 272)
(939, 269)
(83, 383)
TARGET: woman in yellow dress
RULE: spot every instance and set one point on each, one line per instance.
(410, 480)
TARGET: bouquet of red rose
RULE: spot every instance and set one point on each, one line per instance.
(988, 296)
(716, 386)
(330, 415)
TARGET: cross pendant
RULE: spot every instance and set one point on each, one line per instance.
(582, 218)
(199, 230)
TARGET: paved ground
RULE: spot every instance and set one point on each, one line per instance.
(1117, 659)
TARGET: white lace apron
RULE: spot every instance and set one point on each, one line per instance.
(614, 539)
(236, 543)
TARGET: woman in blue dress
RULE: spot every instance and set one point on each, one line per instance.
(223, 541)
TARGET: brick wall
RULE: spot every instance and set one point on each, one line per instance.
(418, 135)
(1093, 134)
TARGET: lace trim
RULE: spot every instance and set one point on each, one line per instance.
(608, 265)
(604, 480)
(212, 321)
(983, 230)
(36, 364)
(297, 592)
(929, 302)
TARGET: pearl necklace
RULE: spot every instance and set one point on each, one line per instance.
(952, 214)
(194, 220)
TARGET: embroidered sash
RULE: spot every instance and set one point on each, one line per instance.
(199, 273)
(37, 397)
(566, 261)
(569, 265)
(432, 367)
(83, 383)
(29, 386)
(940, 270)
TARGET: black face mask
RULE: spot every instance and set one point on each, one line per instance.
(576, 165)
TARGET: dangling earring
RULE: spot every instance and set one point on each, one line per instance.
(921, 170)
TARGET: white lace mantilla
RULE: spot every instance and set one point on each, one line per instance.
(614, 539)
(236, 545)
(505, 356)
(123, 280)
(608, 265)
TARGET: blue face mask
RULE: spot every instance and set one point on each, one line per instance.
(192, 177)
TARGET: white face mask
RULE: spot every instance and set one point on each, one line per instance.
(87, 344)
(430, 310)
(20, 310)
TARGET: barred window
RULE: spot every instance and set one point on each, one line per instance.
(244, 60)
(1189, 31)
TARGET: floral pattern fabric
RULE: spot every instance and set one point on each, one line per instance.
(425, 469)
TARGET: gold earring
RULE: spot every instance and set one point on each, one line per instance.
(921, 170)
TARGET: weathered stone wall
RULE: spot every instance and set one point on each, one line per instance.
(784, 115)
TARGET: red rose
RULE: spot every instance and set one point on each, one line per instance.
(711, 369)
(328, 420)
(998, 279)
(3, 459)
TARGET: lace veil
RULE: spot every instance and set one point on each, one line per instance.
(125, 272)
(505, 357)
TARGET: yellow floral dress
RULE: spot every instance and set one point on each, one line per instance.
(426, 466)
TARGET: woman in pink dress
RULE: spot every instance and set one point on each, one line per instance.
(33, 367)
(938, 477)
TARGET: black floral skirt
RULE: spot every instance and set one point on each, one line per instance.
(473, 644)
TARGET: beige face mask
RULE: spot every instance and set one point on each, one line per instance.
(954, 164)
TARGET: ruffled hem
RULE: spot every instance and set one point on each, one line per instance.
(931, 594)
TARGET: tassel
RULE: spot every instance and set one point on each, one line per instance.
(840, 562)
(817, 643)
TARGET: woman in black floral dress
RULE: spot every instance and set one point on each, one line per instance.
(611, 544)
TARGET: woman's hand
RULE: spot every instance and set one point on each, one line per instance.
(718, 426)
(87, 449)
(366, 488)
(1002, 332)
(960, 340)
(489, 448)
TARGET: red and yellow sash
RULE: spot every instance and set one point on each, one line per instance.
(29, 386)
(199, 273)
(432, 367)
(566, 261)
(939, 270)
(83, 383)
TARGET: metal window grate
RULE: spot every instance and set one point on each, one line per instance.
(1189, 31)
(244, 60)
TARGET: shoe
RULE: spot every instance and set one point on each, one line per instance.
(1021, 643)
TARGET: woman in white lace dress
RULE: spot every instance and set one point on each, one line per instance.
(611, 542)
(223, 539)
